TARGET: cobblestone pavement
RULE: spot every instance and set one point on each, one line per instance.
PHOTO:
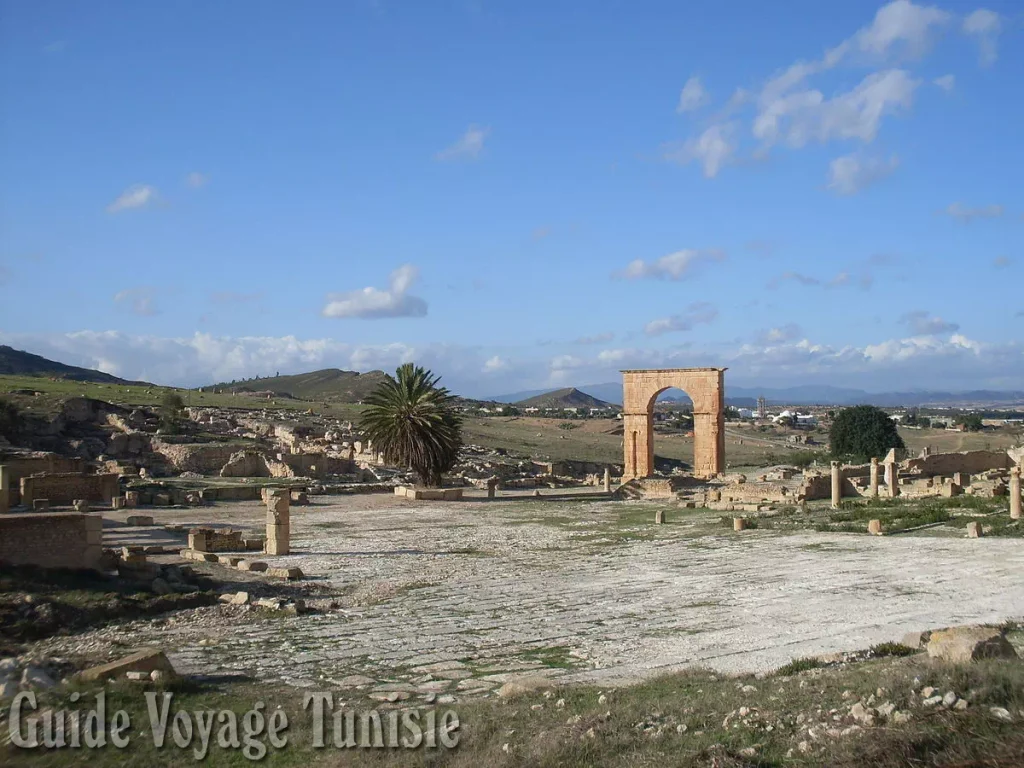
(448, 600)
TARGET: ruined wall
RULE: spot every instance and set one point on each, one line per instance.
(967, 461)
(316, 464)
(571, 468)
(755, 492)
(64, 488)
(51, 540)
(23, 465)
(204, 458)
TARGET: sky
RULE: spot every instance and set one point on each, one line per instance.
(517, 194)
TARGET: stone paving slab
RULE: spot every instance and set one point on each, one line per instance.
(470, 596)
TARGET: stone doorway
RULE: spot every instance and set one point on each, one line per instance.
(640, 389)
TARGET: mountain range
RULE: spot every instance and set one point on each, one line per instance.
(807, 394)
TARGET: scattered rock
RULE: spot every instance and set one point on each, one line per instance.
(36, 677)
(959, 645)
(523, 685)
(999, 713)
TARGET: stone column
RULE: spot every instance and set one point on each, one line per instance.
(278, 523)
(607, 480)
(1015, 512)
(5, 489)
(837, 484)
(492, 484)
(894, 480)
(874, 477)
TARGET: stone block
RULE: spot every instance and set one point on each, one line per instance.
(950, 490)
(739, 524)
(251, 565)
(40, 505)
(285, 573)
(81, 505)
(139, 520)
(659, 516)
(131, 499)
(974, 530)
(229, 560)
(875, 527)
(141, 661)
(278, 540)
(117, 502)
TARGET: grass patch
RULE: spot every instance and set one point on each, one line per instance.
(796, 666)
(684, 720)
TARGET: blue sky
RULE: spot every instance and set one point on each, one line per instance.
(517, 194)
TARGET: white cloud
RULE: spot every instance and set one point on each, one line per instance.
(923, 324)
(841, 279)
(373, 303)
(787, 332)
(698, 313)
(966, 215)
(674, 266)
(712, 149)
(984, 26)
(140, 301)
(469, 145)
(946, 82)
(597, 338)
(999, 262)
(693, 96)
(901, 23)
(918, 361)
(137, 196)
(805, 116)
(849, 174)
(197, 179)
(495, 364)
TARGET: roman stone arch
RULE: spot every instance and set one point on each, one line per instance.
(640, 388)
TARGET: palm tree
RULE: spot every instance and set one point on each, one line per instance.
(411, 422)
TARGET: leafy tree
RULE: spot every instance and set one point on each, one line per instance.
(971, 421)
(11, 420)
(731, 413)
(864, 431)
(924, 422)
(412, 421)
(171, 409)
(567, 425)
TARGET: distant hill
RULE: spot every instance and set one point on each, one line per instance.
(808, 394)
(328, 384)
(563, 398)
(16, 362)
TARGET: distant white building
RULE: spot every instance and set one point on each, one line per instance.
(745, 413)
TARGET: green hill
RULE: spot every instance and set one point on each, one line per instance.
(329, 384)
(16, 362)
(569, 397)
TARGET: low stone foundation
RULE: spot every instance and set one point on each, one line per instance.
(429, 494)
(52, 539)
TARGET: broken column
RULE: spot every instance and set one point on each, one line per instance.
(278, 522)
(739, 524)
(875, 527)
(607, 480)
(1015, 493)
(659, 516)
(874, 478)
(837, 484)
(5, 489)
(492, 485)
(973, 530)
